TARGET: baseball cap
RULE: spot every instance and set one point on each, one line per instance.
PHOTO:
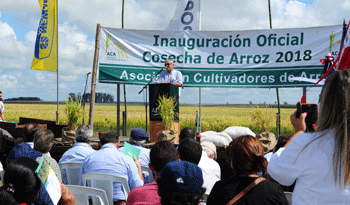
(139, 134)
(182, 176)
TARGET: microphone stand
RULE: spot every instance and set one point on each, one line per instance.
(83, 100)
(144, 87)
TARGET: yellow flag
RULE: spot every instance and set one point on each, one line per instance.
(45, 51)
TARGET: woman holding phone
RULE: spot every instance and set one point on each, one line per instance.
(319, 162)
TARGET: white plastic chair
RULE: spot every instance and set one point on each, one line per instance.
(2, 173)
(289, 196)
(105, 182)
(82, 194)
(70, 172)
(150, 173)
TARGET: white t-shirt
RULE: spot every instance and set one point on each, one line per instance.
(312, 169)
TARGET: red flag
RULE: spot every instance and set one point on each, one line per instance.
(343, 59)
(344, 62)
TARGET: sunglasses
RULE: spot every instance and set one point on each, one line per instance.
(168, 64)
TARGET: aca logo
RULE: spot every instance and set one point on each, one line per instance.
(331, 43)
(44, 42)
(120, 50)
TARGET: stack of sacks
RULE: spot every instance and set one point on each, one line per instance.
(238, 131)
(219, 139)
(223, 139)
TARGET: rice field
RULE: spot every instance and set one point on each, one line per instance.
(213, 118)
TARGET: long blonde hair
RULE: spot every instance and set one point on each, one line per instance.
(334, 114)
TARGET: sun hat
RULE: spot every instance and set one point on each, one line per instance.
(268, 140)
(210, 146)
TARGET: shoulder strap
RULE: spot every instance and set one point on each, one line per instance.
(244, 191)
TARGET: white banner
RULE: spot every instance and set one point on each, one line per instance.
(256, 58)
(187, 16)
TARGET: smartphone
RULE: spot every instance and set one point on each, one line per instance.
(312, 114)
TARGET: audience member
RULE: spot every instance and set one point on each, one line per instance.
(108, 160)
(268, 141)
(23, 186)
(161, 153)
(211, 169)
(29, 131)
(138, 137)
(180, 183)
(187, 133)
(246, 157)
(282, 140)
(6, 144)
(190, 150)
(81, 148)
(210, 149)
(43, 142)
(23, 150)
(2, 109)
(319, 162)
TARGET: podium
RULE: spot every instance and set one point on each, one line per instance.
(156, 91)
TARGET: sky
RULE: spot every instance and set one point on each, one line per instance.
(77, 21)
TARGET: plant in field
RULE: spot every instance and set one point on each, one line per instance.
(165, 109)
(262, 120)
(73, 111)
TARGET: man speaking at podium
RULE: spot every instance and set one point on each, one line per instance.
(170, 75)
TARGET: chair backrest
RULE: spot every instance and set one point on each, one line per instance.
(105, 182)
(289, 196)
(82, 195)
(70, 172)
(150, 173)
(2, 177)
(203, 200)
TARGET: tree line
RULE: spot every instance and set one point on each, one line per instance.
(23, 99)
(99, 97)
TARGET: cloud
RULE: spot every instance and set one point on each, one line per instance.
(8, 83)
(45, 77)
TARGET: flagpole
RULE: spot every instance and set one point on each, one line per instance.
(58, 102)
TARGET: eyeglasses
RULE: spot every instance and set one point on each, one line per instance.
(168, 64)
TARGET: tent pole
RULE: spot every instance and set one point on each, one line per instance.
(278, 114)
(200, 109)
(58, 99)
(118, 109)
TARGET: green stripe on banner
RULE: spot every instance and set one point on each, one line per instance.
(192, 77)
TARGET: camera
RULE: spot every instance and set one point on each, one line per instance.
(312, 114)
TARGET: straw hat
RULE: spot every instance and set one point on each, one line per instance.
(268, 140)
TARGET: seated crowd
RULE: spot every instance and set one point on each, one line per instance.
(313, 164)
(187, 174)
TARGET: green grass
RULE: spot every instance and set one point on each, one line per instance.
(213, 118)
